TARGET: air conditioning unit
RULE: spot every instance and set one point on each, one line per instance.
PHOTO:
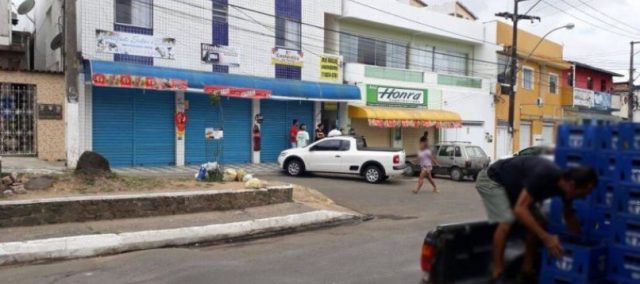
(540, 101)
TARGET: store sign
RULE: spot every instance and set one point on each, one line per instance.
(383, 95)
(288, 57)
(219, 55)
(50, 111)
(583, 97)
(135, 44)
(139, 82)
(246, 93)
(616, 101)
(602, 100)
(330, 67)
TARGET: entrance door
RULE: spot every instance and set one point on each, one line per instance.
(547, 134)
(525, 135)
(502, 142)
(17, 119)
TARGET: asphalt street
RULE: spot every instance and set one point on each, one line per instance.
(383, 250)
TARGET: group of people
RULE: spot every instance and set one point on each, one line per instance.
(299, 137)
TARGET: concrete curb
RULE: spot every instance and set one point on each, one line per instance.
(103, 244)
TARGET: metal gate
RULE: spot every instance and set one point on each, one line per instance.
(17, 119)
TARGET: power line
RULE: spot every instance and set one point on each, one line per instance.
(608, 16)
(583, 20)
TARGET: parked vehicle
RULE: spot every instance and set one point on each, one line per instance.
(457, 160)
(344, 155)
(544, 151)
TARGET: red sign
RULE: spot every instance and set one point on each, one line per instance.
(132, 81)
(237, 92)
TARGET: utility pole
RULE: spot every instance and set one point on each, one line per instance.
(630, 97)
(514, 17)
(70, 51)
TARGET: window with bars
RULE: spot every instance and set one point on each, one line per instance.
(137, 13)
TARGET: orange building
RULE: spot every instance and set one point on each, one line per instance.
(538, 100)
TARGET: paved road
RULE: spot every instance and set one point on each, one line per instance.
(384, 250)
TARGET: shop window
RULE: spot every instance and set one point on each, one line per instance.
(137, 13)
(553, 83)
(527, 78)
(288, 33)
(421, 58)
(589, 83)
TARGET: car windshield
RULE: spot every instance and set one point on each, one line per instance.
(475, 152)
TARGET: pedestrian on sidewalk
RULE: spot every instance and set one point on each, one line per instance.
(293, 133)
(335, 131)
(426, 165)
(319, 132)
(302, 138)
(512, 190)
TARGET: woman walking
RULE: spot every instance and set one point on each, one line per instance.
(426, 165)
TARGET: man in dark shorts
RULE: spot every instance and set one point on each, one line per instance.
(512, 188)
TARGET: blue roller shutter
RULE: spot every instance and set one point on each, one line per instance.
(237, 130)
(154, 129)
(201, 115)
(278, 116)
(113, 125)
(134, 127)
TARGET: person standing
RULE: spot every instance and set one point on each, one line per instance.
(293, 133)
(319, 132)
(512, 188)
(426, 165)
(302, 138)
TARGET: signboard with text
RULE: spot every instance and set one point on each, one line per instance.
(283, 56)
(583, 97)
(330, 67)
(396, 96)
(219, 55)
(141, 82)
(602, 100)
(135, 44)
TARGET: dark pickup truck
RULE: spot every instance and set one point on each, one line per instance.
(461, 253)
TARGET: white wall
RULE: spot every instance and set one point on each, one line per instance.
(48, 18)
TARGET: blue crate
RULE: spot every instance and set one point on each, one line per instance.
(589, 261)
(595, 222)
(553, 277)
(603, 195)
(606, 163)
(624, 264)
(581, 137)
(629, 136)
(608, 138)
(618, 280)
(627, 200)
(626, 232)
(568, 158)
(629, 168)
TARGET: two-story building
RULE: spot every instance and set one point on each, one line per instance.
(161, 79)
(417, 70)
(538, 100)
(589, 93)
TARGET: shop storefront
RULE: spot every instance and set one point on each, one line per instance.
(154, 116)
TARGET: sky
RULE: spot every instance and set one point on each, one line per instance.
(600, 38)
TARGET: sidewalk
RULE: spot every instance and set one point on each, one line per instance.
(191, 170)
(31, 165)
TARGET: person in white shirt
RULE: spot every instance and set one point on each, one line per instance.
(335, 132)
(302, 137)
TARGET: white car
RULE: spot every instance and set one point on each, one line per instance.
(344, 155)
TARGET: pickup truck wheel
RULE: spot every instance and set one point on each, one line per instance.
(456, 174)
(295, 167)
(373, 174)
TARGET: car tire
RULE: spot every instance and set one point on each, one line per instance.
(294, 167)
(456, 174)
(475, 177)
(373, 174)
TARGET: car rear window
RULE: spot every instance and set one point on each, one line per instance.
(475, 152)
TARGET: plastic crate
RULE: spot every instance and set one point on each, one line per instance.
(595, 222)
(554, 277)
(588, 261)
(618, 280)
(581, 137)
(568, 158)
(603, 195)
(626, 232)
(624, 264)
(606, 163)
(627, 200)
(629, 136)
(629, 168)
(608, 138)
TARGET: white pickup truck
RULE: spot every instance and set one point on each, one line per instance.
(344, 155)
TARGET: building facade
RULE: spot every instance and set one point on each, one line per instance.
(154, 92)
(432, 75)
(538, 100)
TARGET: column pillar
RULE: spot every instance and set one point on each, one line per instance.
(255, 110)
(180, 138)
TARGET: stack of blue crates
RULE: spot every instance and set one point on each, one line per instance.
(608, 250)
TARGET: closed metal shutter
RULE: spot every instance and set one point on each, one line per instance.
(278, 116)
(201, 114)
(237, 130)
(134, 127)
